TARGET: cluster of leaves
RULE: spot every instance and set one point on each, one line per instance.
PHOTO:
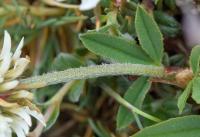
(130, 32)
(150, 52)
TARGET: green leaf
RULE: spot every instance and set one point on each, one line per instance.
(156, 1)
(98, 128)
(46, 92)
(184, 96)
(171, 4)
(54, 116)
(115, 48)
(167, 23)
(134, 95)
(112, 18)
(104, 29)
(76, 90)
(169, 31)
(149, 35)
(187, 126)
(195, 59)
(196, 89)
(165, 19)
(64, 61)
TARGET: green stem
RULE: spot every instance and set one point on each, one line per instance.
(126, 104)
(91, 72)
(139, 123)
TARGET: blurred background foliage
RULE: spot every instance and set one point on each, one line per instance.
(52, 43)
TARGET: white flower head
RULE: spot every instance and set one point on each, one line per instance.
(16, 108)
(5, 130)
(88, 4)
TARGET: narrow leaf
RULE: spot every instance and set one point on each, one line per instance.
(149, 35)
(184, 96)
(187, 126)
(195, 59)
(64, 61)
(168, 25)
(196, 90)
(115, 48)
(76, 90)
(55, 111)
(134, 95)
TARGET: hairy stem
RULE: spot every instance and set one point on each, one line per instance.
(91, 72)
